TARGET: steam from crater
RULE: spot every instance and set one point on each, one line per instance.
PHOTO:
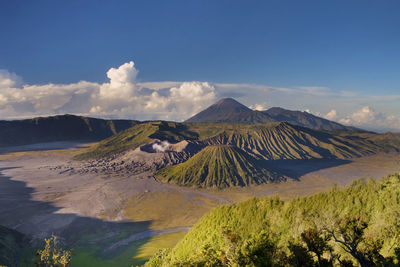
(161, 147)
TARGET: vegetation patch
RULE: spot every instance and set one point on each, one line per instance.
(359, 224)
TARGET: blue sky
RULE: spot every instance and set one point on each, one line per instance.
(347, 50)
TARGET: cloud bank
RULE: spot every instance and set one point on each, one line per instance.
(122, 96)
(369, 118)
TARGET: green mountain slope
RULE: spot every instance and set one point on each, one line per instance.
(372, 206)
(272, 141)
(219, 166)
(388, 142)
(286, 141)
(59, 128)
(138, 135)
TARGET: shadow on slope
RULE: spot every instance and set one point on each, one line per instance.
(295, 168)
(39, 219)
(45, 146)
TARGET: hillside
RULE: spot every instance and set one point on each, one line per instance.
(11, 243)
(220, 155)
(231, 111)
(285, 141)
(137, 135)
(59, 128)
(219, 166)
(272, 141)
(305, 119)
(387, 141)
(277, 233)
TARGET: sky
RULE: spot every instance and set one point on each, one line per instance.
(170, 59)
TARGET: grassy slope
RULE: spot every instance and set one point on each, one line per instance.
(377, 202)
(218, 166)
(268, 141)
(387, 141)
(158, 242)
(285, 141)
(136, 136)
(168, 209)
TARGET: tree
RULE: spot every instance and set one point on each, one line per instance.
(349, 233)
(211, 257)
(52, 255)
(258, 250)
(232, 240)
(317, 243)
(299, 256)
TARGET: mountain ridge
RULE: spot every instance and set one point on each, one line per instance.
(59, 128)
(271, 141)
(231, 111)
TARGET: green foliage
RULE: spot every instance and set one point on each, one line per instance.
(316, 242)
(258, 250)
(357, 224)
(299, 256)
(53, 256)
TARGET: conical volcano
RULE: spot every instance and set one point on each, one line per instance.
(229, 110)
(219, 166)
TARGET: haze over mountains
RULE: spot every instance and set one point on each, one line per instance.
(59, 128)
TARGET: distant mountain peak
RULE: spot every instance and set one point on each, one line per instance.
(228, 110)
(229, 103)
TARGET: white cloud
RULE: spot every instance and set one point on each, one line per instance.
(8, 79)
(258, 107)
(363, 116)
(125, 74)
(331, 115)
(158, 85)
(370, 119)
(121, 96)
(189, 98)
(316, 113)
